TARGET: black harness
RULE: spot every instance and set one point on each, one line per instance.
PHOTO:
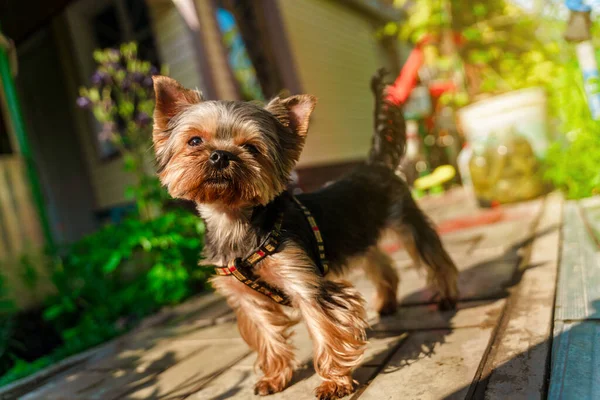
(243, 269)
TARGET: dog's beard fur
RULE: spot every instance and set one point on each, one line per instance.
(256, 174)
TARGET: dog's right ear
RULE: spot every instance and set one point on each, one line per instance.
(171, 98)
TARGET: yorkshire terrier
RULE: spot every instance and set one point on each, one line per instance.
(234, 159)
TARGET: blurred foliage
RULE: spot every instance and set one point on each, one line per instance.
(573, 160)
(110, 280)
(508, 48)
(505, 47)
(122, 100)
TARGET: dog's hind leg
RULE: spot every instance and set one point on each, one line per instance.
(425, 247)
(379, 268)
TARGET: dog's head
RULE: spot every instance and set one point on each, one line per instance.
(227, 152)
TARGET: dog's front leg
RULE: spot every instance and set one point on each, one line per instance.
(335, 316)
(266, 329)
(336, 321)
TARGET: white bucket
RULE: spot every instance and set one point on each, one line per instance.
(524, 110)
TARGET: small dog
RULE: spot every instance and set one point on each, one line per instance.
(234, 159)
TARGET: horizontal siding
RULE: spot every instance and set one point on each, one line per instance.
(175, 44)
(336, 54)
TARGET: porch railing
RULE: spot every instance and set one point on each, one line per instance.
(20, 229)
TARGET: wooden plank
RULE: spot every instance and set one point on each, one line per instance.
(579, 277)
(484, 274)
(467, 314)
(148, 355)
(431, 365)
(575, 361)
(185, 377)
(516, 366)
(486, 257)
(67, 386)
(9, 216)
(575, 372)
(187, 323)
(170, 371)
(238, 382)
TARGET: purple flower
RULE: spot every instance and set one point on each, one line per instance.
(115, 65)
(83, 102)
(153, 70)
(97, 78)
(142, 119)
(126, 84)
(137, 77)
(148, 82)
(101, 77)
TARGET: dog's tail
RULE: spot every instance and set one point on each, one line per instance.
(389, 140)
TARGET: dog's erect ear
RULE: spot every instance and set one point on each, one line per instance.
(293, 112)
(171, 97)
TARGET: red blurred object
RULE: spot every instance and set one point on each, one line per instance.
(484, 218)
(399, 91)
(436, 89)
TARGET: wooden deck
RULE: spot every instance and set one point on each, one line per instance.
(496, 345)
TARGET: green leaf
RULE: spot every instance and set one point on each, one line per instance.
(112, 263)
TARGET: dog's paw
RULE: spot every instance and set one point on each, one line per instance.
(330, 390)
(265, 387)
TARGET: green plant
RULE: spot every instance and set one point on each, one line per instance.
(111, 279)
(122, 100)
(505, 48)
(572, 161)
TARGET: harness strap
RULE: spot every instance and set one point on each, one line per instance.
(242, 270)
(318, 236)
(245, 275)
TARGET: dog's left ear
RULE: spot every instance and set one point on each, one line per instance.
(293, 112)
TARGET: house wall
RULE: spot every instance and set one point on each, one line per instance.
(175, 43)
(336, 54)
(107, 176)
(176, 51)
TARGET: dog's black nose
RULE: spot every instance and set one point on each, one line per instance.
(220, 159)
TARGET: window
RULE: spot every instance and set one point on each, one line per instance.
(238, 58)
(123, 21)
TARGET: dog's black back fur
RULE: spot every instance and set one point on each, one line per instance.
(353, 211)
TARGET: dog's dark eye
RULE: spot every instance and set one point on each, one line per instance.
(195, 141)
(250, 148)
